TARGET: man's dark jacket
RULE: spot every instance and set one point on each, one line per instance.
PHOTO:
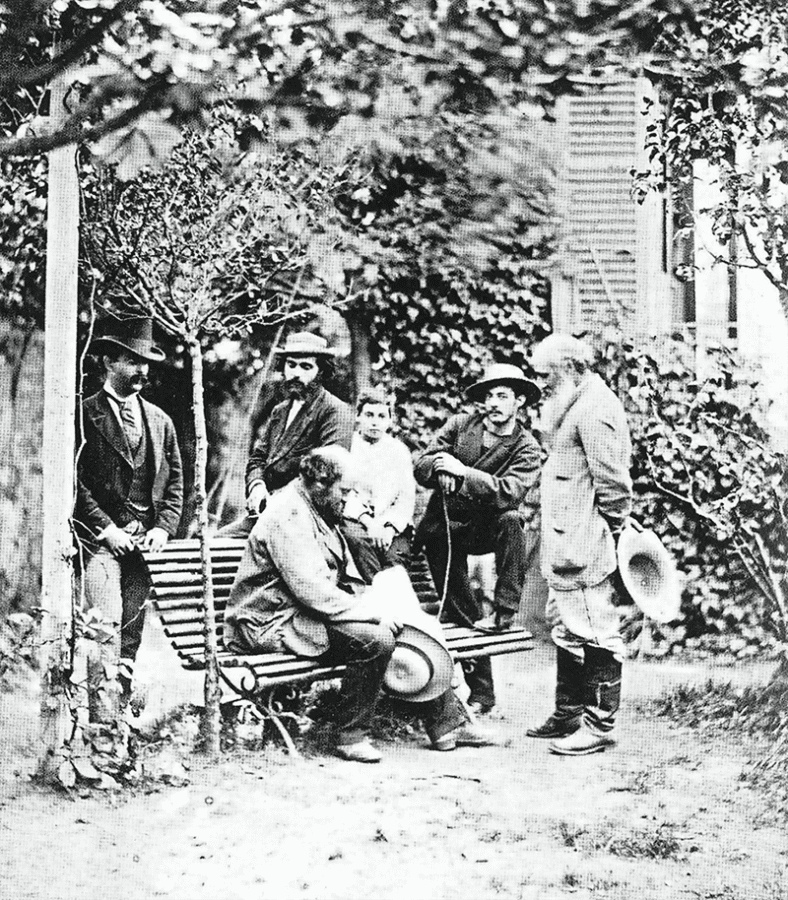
(496, 480)
(277, 453)
(105, 469)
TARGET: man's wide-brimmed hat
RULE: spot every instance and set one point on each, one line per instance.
(509, 375)
(421, 667)
(304, 343)
(649, 574)
(134, 335)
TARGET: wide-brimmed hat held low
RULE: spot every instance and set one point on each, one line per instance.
(504, 374)
(649, 573)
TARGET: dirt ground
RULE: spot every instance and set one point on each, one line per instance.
(662, 815)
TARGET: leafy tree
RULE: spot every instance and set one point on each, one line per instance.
(147, 67)
(724, 88)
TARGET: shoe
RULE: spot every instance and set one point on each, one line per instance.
(583, 742)
(465, 736)
(361, 751)
(481, 709)
(555, 727)
(500, 620)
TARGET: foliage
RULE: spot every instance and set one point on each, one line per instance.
(145, 68)
(724, 89)
(708, 483)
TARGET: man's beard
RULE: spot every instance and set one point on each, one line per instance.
(555, 407)
(296, 390)
(330, 510)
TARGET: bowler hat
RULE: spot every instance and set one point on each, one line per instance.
(304, 343)
(506, 374)
(649, 574)
(134, 335)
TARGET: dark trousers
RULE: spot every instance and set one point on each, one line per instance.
(502, 535)
(370, 559)
(365, 648)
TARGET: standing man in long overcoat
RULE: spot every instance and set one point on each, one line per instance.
(586, 497)
(480, 465)
(129, 494)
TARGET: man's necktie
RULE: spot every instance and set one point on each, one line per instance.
(127, 417)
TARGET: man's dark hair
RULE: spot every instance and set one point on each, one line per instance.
(373, 397)
(323, 466)
(325, 364)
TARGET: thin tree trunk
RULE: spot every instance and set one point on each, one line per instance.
(359, 356)
(211, 715)
(60, 358)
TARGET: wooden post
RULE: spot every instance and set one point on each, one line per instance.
(60, 356)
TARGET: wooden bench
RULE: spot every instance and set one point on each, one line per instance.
(177, 597)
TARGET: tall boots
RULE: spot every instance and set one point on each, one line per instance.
(568, 698)
(601, 685)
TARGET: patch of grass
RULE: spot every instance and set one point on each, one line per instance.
(659, 843)
(570, 834)
(760, 713)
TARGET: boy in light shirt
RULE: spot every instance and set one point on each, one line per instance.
(383, 471)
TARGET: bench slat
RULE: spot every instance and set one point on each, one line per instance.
(176, 573)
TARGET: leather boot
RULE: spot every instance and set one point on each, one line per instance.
(568, 698)
(602, 693)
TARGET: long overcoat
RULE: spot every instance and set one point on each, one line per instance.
(586, 488)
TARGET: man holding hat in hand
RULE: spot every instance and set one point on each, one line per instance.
(298, 589)
(129, 490)
(480, 465)
(308, 418)
(586, 497)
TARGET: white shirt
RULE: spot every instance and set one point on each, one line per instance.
(384, 472)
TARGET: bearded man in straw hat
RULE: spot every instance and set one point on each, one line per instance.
(129, 497)
(480, 465)
(586, 497)
(298, 589)
(309, 417)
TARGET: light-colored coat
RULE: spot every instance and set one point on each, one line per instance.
(288, 581)
(586, 488)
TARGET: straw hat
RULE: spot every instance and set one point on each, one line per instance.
(304, 343)
(649, 574)
(506, 374)
(421, 667)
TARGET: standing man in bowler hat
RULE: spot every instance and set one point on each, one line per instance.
(129, 495)
(586, 497)
(481, 464)
(308, 418)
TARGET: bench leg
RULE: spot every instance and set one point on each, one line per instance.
(265, 701)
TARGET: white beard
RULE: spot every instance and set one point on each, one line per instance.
(554, 408)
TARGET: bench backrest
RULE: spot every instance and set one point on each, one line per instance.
(176, 573)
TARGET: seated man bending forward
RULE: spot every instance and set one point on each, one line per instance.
(298, 590)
